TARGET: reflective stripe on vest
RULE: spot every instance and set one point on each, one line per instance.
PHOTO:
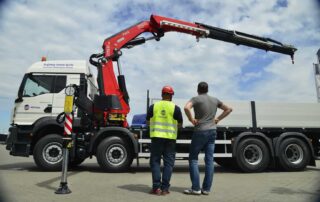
(162, 124)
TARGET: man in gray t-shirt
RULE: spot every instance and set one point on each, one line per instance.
(205, 109)
(203, 137)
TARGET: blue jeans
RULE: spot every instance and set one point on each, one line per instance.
(167, 149)
(202, 141)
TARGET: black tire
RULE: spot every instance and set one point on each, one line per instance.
(294, 154)
(47, 153)
(114, 154)
(252, 155)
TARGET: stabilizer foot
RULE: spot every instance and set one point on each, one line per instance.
(63, 189)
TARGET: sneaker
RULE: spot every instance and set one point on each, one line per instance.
(165, 192)
(192, 192)
(155, 191)
(205, 192)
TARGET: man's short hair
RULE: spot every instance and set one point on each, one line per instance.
(202, 87)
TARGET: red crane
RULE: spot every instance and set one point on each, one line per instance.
(114, 98)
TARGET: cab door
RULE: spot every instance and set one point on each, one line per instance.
(59, 91)
(35, 99)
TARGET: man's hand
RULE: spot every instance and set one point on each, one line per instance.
(195, 122)
(216, 120)
(226, 111)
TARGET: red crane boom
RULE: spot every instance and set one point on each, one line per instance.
(114, 99)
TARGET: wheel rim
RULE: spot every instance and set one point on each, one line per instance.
(52, 153)
(252, 154)
(116, 154)
(294, 153)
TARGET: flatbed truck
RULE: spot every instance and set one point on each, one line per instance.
(255, 136)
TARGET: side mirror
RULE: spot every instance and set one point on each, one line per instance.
(19, 99)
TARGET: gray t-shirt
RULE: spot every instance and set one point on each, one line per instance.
(205, 109)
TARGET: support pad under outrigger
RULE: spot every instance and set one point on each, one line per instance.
(63, 189)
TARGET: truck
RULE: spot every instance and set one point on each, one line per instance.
(256, 136)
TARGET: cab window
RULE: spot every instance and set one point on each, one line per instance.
(42, 84)
(59, 84)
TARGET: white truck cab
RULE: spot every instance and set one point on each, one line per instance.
(41, 92)
(41, 99)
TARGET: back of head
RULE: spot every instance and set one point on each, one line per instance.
(167, 93)
(202, 87)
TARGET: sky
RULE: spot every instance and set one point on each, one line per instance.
(76, 29)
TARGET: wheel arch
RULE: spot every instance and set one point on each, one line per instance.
(44, 126)
(297, 135)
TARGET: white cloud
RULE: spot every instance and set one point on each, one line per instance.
(76, 29)
(251, 75)
(289, 83)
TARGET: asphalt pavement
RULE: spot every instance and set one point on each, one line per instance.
(21, 180)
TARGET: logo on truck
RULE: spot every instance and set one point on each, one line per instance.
(26, 107)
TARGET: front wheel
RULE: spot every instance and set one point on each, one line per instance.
(294, 154)
(114, 154)
(252, 155)
(48, 153)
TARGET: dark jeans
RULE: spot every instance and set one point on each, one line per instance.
(202, 141)
(167, 149)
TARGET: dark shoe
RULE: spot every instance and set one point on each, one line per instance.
(165, 192)
(155, 191)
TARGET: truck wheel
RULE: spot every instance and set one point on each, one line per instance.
(114, 154)
(294, 154)
(47, 153)
(252, 155)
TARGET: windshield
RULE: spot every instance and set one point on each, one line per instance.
(35, 85)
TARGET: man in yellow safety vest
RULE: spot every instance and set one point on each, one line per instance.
(164, 118)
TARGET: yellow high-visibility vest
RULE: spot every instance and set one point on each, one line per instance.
(162, 124)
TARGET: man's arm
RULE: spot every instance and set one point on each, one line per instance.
(187, 110)
(226, 111)
(177, 115)
(149, 115)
